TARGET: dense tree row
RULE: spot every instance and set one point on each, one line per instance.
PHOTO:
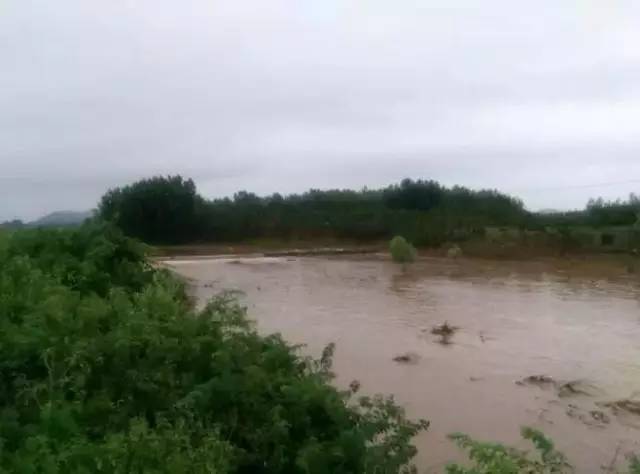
(598, 213)
(156, 209)
(169, 210)
(619, 212)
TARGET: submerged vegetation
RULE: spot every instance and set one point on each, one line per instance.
(401, 250)
(105, 367)
(494, 458)
(445, 331)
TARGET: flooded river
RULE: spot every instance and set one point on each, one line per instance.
(515, 320)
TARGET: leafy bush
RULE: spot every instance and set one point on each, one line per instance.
(95, 258)
(104, 367)
(401, 250)
(495, 458)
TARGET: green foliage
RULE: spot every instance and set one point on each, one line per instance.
(495, 458)
(94, 259)
(401, 250)
(457, 201)
(105, 367)
(156, 210)
(168, 210)
(598, 213)
(602, 213)
(165, 448)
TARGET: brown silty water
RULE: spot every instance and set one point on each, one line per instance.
(515, 320)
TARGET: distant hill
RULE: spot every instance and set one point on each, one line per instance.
(61, 219)
(547, 212)
(12, 225)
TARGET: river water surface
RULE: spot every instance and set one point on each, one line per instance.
(516, 320)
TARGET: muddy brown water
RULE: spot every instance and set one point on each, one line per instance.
(515, 320)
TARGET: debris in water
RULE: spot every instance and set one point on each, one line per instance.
(576, 388)
(445, 331)
(542, 416)
(568, 389)
(408, 358)
(627, 411)
(484, 338)
(624, 406)
(600, 416)
(542, 381)
(595, 418)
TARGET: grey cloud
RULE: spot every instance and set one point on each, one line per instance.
(285, 95)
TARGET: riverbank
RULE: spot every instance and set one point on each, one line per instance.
(270, 248)
(594, 265)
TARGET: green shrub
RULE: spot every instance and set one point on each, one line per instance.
(401, 250)
(495, 458)
(93, 259)
(104, 367)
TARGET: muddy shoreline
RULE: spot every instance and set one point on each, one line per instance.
(249, 252)
(591, 265)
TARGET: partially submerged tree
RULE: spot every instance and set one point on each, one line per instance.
(401, 250)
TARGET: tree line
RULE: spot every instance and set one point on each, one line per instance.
(169, 210)
(598, 213)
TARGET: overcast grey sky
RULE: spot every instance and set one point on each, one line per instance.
(535, 98)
